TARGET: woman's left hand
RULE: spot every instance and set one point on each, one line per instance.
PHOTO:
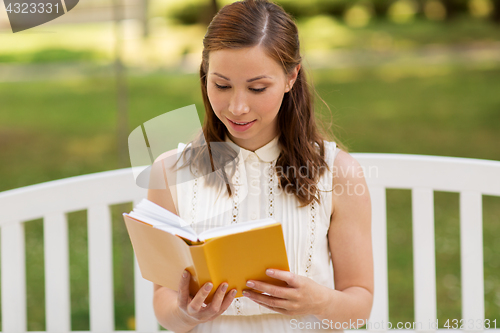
(301, 296)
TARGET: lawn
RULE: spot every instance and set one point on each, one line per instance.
(56, 129)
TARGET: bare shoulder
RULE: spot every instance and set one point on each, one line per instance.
(168, 157)
(162, 180)
(345, 160)
(349, 184)
(349, 234)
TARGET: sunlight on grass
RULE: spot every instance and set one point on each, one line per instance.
(76, 37)
(323, 32)
(163, 48)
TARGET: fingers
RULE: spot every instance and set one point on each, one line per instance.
(220, 301)
(276, 291)
(197, 301)
(267, 300)
(280, 310)
(183, 293)
(290, 278)
(218, 297)
(227, 301)
(195, 307)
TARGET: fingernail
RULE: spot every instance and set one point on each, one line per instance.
(224, 287)
(269, 272)
(184, 274)
(246, 293)
(250, 284)
(208, 286)
(233, 293)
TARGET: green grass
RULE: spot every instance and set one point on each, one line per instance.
(50, 55)
(57, 129)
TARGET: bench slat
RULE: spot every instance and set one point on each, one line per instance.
(13, 278)
(56, 253)
(437, 172)
(145, 319)
(101, 294)
(380, 308)
(424, 256)
(471, 248)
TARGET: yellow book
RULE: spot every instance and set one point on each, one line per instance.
(165, 245)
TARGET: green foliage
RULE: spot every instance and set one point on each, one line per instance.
(67, 128)
(192, 13)
(50, 55)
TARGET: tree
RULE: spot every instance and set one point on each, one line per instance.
(121, 87)
(496, 12)
(454, 8)
(381, 7)
(214, 8)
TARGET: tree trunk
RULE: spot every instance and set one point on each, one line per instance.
(121, 88)
(496, 12)
(454, 8)
(215, 7)
(144, 18)
(381, 7)
(209, 15)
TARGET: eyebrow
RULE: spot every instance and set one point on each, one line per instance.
(251, 80)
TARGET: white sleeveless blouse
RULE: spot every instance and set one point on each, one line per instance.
(258, 196)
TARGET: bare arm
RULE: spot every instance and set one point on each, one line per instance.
(350, 245)
(167, 310)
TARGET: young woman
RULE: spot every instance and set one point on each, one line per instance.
(256, 97)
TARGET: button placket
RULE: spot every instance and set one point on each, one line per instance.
(253, 173)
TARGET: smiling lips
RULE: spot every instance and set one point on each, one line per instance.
(241, 126)
(241, 123)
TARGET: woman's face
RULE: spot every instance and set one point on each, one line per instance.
(246, 88)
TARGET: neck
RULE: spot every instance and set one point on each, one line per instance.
(254, 143)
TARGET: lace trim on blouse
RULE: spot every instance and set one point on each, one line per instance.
(195, 198)
(312, 227)
(236, 196)
(237, 305)
(270, 189)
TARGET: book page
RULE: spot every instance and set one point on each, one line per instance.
(161, 218)
(165, 220)
(235, 228)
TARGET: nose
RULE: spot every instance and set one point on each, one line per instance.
(238, 104)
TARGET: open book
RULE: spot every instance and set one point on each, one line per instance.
(165, 245)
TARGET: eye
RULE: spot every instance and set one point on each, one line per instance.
(258, 90)
(221, 87)
(226, 87)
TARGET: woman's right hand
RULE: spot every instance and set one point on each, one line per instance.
(192, 309)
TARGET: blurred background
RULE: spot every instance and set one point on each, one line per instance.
(398, 76)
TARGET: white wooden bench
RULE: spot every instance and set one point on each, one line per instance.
(96, 192)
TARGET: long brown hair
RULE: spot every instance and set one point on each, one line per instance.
(259, 22)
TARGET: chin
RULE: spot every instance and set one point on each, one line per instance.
(240, 135)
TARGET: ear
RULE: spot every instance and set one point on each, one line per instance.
(292, 77)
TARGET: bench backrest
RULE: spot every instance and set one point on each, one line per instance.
(96, 192)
